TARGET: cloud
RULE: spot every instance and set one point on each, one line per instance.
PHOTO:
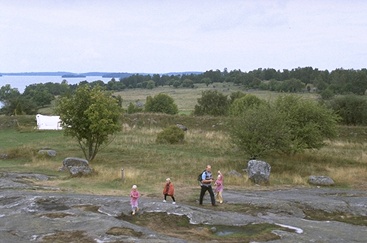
(164, 36)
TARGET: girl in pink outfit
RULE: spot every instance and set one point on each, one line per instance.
(219, 188)
(134, 199)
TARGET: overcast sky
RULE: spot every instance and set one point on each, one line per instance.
(174, 36)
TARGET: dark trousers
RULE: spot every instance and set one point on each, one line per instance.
(173, 198)
(202, 193)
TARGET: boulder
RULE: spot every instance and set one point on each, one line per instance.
(258, 171)
(320, 181)
(76, 166)
(182, 127)
(49, 152)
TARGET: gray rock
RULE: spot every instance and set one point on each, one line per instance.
(182, 127)
(3, 156)
(49, 152)
(76, 166)
(258, 171)
(320, 181)
(234, 173)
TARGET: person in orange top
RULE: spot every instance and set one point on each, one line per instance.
(169, 190)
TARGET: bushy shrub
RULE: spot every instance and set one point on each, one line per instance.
(133, 108)
(309, 122)
(288, 125)
(351, 108)
(212, 103)
(260, 130)
(248, 101)
(171, 135)
(161, 103)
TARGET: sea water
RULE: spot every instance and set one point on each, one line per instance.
(21, 82)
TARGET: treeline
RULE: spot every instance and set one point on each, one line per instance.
(307, 79)
(327, 84)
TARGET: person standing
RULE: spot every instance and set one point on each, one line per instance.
(219, 188)
(206, 185)
(169, 190)
(134, 199)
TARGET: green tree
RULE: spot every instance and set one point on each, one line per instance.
(14, 103)
(161, 103)
(292, 85)
(289, 125)
(42, 97)
(310, 123)
(206, 81)
(91, 116)
(150, 84)
(212, 103)
(176, 83)
(188, 83)
(327, 94)
(248, 101)
(351, 108)
(260, 130)
(235, 95)
(133, 108)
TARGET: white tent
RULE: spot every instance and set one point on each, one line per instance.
(48, 122)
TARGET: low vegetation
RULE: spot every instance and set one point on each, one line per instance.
(147, 163)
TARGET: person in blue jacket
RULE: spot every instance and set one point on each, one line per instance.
(206, 185)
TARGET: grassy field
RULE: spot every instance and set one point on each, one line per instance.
(148, 164)
(186, 98)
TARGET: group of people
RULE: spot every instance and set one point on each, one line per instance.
(206, 185)
(169, 190)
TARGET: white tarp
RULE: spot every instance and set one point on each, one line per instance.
(48, 122)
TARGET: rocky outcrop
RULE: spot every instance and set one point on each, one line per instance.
(31, 215)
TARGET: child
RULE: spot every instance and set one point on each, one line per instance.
(134, 199)
(219, 187)
(169, 190)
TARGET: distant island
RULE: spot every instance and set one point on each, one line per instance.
(73, 76)
(100, 74)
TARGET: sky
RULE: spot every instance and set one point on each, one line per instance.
(154, 36)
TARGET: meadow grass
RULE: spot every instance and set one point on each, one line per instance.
(186, 98)
(148, 164)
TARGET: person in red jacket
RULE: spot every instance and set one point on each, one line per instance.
(169, 190)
